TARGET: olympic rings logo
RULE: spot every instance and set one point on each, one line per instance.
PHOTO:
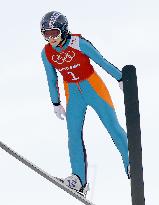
(63, 57)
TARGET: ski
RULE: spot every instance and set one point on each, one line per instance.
(131, 102)
(56, 181)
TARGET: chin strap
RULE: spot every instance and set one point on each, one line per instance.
(64, 40)
(61, 43)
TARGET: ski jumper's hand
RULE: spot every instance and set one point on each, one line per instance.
(59, 111)
(121, 85)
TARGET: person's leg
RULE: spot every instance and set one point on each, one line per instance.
(75, 115)
(98, 97)
(109, 119)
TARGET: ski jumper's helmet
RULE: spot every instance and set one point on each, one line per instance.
(53, 20)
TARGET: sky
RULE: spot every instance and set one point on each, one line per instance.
(125, 32)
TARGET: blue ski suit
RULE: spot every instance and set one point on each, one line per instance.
(89, 91)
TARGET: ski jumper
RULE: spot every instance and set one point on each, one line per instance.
(83, 87)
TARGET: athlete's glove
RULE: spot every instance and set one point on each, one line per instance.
(121, 85)
(59, 110)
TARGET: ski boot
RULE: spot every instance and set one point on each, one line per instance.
(74, 182)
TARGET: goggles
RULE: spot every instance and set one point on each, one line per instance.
(54, 33)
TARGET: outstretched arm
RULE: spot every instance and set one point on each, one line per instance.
(88, 49)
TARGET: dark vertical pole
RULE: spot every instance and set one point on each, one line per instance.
(131, 101)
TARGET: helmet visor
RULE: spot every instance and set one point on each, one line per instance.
(53, 33)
